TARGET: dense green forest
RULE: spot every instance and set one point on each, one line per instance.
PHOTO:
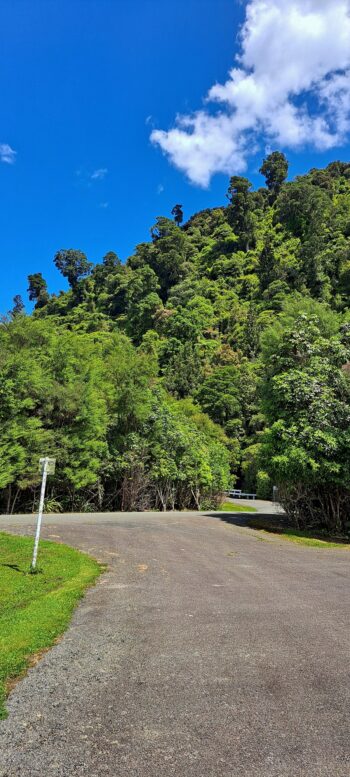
(219, 353)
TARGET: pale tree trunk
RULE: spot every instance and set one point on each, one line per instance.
(196, 496)
(14, 501)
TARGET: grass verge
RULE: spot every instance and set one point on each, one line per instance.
(232, 507)
(294, 535)
(36, 609)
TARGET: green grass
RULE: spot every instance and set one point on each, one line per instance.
(232, 507)
(36, 609)
(294, 535)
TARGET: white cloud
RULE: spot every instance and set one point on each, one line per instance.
(97, 175)
(291, 87)
(7, 154)
(160, 188)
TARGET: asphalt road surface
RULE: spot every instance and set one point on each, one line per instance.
(207, 650)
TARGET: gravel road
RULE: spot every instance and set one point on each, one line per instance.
(207, 650)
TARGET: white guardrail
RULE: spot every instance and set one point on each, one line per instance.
(241, 494)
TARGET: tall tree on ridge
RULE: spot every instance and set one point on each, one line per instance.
(240, 211)
(72, 264)
(177, 212)
(37, 289)
(275, 170)
(18, 306)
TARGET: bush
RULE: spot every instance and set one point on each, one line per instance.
(263, 485)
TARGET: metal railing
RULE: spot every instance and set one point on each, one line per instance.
(238, 494)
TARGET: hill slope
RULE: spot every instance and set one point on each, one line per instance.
(218, 351)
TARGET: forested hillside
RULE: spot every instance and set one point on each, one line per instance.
(219, 353)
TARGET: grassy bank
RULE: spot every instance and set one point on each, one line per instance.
(232, 507)
(299, 537)
(36, 609)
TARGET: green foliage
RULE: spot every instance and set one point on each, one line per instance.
(166, 255)
(141, 302)
(240, 212)
(72, 264)
(37, 289)
(18, 306)
(177, 212)
(187, 454)
(302, 207)
(233, 321)
(263, 485)
(275, 170)
(219, 394)
(306, 392)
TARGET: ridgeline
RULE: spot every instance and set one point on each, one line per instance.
(219, 353)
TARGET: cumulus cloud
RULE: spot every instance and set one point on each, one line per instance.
(97, 175)
(290, 87)
(7, 154)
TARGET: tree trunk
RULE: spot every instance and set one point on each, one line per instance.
(9, 495)
(14, 501)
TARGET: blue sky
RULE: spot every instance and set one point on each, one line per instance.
(84, 84)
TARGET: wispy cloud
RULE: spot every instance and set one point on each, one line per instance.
(86, 179)
(160, 188)
(104, 205)
(99, 174)
(7, 154)
(291, 87)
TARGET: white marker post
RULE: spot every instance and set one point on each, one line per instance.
(47, 467)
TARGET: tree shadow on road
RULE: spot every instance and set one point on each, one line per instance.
(243, 519)
(238, 519)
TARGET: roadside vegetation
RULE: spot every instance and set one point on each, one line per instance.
(299, 537)
(36, 609)
(218, 354)
(232, 507)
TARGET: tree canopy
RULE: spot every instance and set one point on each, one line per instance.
(275, 170)
(72, 264)
(217, 354)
